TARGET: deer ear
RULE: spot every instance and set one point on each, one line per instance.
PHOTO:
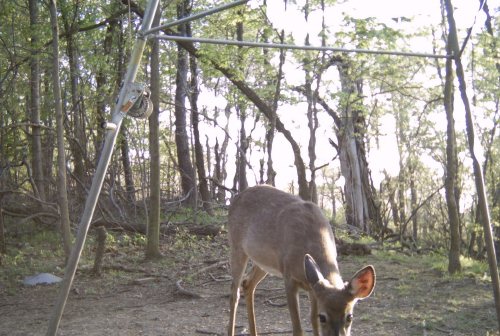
(362, 283)
(312, 271)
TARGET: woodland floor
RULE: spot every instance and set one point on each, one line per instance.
(134, 297)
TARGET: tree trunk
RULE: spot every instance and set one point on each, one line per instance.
(78, 141)
(312, 124)
(350, 138)
(454, 265)
(241, 162)
(102, 90)
(478, 174)
(414, 219)
(361, 208)
(394, 209)
(153, 231)
(3, 245)
(312, 72)
(49, 142)
(220, 172)
(61, 156)
(127, 166)
(198, 147)
(36, 141)
(181, 132)
(241, 112)
(349, 166)
(271, 130)
(218, 192)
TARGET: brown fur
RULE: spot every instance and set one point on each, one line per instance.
(291, 238)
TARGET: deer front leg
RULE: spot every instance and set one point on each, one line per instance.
(314, 313)
(292, 298)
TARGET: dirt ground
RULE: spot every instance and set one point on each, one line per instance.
(138, 298)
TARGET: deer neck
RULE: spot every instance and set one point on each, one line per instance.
(330, 271)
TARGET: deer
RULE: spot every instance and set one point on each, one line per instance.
(288, 237)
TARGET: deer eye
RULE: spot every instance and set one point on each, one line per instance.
(322, 318)
(349, 318)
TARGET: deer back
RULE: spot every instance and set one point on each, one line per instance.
(276, 230)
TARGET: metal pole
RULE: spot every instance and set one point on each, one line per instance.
(293, 46)
(102, 167)
(194, 17)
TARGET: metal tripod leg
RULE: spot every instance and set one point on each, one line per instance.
(90, 204)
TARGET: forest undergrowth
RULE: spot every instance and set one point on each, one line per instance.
(186, 291)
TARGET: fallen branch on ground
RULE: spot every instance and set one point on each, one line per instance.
(185, 292)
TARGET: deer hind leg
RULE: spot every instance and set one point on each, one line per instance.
(238, 265)
(249, 284)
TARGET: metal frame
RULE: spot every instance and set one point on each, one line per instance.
(194, 16)
(293, 46)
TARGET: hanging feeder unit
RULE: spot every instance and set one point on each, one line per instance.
(137, 101)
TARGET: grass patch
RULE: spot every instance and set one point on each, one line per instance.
(187, 215)
(38, 252)
(41, 251)
(470, 267)
(438, 261)
(477, 268)
(33, 250)
(392, 256)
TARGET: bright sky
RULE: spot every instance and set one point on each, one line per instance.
(422, 13)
